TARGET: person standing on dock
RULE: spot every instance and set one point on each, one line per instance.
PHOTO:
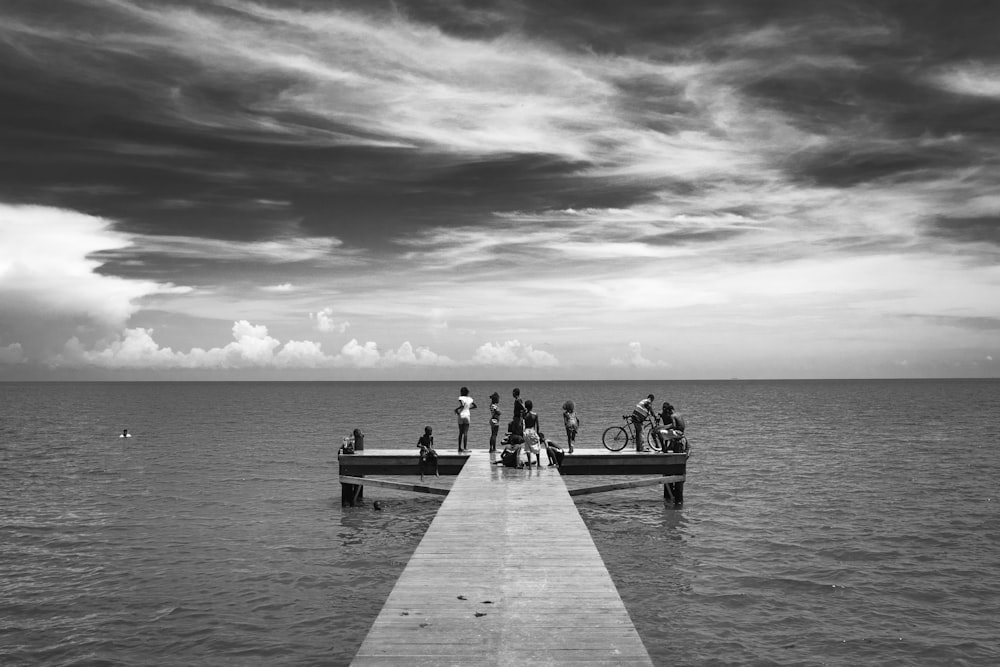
(518, 418)
(532, 441)
(494, 420)
(642, 411)
(464, 411)
(571, 422)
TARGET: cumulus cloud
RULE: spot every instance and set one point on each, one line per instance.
(12, 354)
(326, 323)
(415, 356)
(283, 287)
(50, 284)
(360, 356)
(368, 355)
(513, 353)
(252, 347)
(635, 359)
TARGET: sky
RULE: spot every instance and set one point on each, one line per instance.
(305, 189)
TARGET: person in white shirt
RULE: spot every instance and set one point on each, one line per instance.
(464, 411)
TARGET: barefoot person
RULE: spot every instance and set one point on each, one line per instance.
(571, 422)
(464, 411)
(532, 443)
(494, 420)
(428, 456)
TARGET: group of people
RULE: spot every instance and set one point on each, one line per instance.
(669, 425)
(523, 432)
(525, 437)
(524, 420)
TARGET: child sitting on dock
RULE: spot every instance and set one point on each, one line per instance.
(552, 450)
(511, 451)
(428, 457)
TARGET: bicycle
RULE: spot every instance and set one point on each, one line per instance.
(615, 438)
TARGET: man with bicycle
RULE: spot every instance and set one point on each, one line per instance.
(642, 411)
(671, 431)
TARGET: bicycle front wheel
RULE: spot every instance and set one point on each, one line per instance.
(615, 438)
(653, 441)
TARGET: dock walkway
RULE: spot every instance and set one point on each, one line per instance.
(507, 574)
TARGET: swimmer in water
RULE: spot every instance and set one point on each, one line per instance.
(125, 433)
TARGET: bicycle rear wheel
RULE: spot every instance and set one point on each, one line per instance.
(615, 438)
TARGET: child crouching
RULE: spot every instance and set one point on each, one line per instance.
(428, 456)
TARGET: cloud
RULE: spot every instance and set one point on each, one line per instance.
(252, 347)
(415, 356)
(356, 355)
(635, 359)
(273, 251)
(513, 353)
(326, 323)
(12, 354)
(734, 170)
(50, 282)
(976, 79)
(360, 356)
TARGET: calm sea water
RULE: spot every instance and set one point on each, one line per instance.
(826, 523)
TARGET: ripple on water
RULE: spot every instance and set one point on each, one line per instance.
(216, 534)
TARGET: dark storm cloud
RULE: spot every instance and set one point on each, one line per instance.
(848, 165)
(163, 143)
(101, 112)
(984, 229)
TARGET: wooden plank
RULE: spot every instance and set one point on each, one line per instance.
(581, 462)
(391, 484)
(631, 484)
(604, 462)
(396, 462)
(507, 574)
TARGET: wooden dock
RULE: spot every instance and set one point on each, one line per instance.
(507, 574)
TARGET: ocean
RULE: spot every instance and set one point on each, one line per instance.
(825, 522)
